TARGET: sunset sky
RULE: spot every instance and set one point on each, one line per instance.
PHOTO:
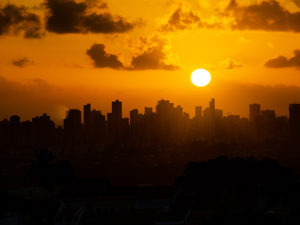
(61, 54)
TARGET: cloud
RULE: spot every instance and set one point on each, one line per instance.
(70, 16)
(265, 15)
(149, 54)
(184, 18)
(268, 15)
(102, 59)
(15, 19)
(297, 2)
(21, 62)
(181, 20)
(282, 61)
(230, 64)
(153, 56)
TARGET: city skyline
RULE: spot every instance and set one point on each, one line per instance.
(165, 125)
(198, 109)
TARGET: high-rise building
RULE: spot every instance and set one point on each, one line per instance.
(164, 108)
(212, 105)
(294, 120)
(268, 115)
(148, 111)
(219, 113)
(134, 116)
(86, 115)
(117, 111)
(14, 120)
(294, 113)
(198, 112)
(254, 112)
(73, 120)
(179, 110)
(212, 120)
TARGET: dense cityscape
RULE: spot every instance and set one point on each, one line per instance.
(168, 126)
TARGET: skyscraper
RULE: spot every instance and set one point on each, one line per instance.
(198, 112)
(134, 116)
(73, 121)
(148, 111)
(212, 105)
(86, 115)
(294, 120)
(254, 112)
(212, 120)
(117, 111)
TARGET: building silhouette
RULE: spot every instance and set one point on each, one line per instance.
(86, 115)
(198, 112)
(117, 111)
(73, 120)
(294, 120)
(254, 112)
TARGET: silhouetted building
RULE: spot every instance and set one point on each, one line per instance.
(73, 120)
(14, 120)
(43, 130)
(134, 117)
(117, 111)
(148, 111)
(268, 115)
(294, 120)
(86, 115)
(254, 112)
(212, 120)
(116, 124)
(198, 111)
(219, 114)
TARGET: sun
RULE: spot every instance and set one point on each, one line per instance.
(200, 77)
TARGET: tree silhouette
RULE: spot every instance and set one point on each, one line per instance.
(48, 172)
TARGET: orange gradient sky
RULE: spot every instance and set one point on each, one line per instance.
(239, 42)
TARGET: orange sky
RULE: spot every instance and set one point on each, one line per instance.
(145, 51)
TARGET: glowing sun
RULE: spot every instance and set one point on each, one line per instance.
(200, 77)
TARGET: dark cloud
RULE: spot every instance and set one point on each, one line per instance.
(14, 19)
(181, 20)
(151, 54)
(21, 62)
(265, 15)
(152, 59)
(268, 15)
(282, 61)
(102, 59)
(69, 16)
(154, 55)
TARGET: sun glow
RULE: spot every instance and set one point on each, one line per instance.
(200, 77)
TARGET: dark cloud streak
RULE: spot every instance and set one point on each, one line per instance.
(69, 16)
(15, 19)
(152, 59)
(266, 15)
(21, 62)
(283, 62)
